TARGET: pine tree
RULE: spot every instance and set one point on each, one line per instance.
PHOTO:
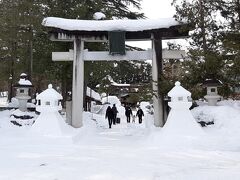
(25, 44)
(230, 10)
(204, 51)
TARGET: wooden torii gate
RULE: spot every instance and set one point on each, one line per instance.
(80, 31)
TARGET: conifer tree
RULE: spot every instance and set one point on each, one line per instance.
(205, 54)
(25, 44)
(230, 10)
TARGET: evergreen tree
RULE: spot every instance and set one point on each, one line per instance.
(230, 10)
(25, 45)
(204, 52)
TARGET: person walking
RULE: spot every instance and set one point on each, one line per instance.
(128, 113)
(115, 111)
(109, 115)
(140, 114)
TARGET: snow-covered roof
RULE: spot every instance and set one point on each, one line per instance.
(113, 83)
(109, 25)
(93, 94)
(178, 91)
(50, 94)
(120, 85)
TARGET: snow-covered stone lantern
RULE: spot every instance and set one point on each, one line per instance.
(49, 122)
(180, 119)
(22, 91)
(180, 97)
(212, 92)
(49, 100)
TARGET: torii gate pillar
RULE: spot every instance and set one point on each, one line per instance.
(77, 84)
(156, 76)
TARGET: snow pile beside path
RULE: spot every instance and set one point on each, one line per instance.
(224, 134)
(5, 119)
(181, 123)
(91, 123)
(226, 118)
(51, 124)
(179, 132)
(109, 101)
(231, 103)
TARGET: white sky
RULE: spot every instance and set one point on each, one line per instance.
(155, 9)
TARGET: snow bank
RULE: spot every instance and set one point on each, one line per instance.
(5, 119)
(91, 123)
(51, 124)
(181, 123)
(109, 101)
(232, 103)
(223, 135)
(99, 15)
(226, 118)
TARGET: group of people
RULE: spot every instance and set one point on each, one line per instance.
(111, 115)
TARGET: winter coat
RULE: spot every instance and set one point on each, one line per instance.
(109, 113)
(114, 109)
(140, 113)
(128, 111)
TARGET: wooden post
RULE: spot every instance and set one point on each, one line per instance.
(78, 81)
(156, 76)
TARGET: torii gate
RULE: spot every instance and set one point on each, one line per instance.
(115, 32)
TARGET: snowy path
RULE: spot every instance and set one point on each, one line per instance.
(123, 152)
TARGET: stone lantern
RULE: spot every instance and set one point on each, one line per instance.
(180, 97)
(22, 91)
(49, 100)
(212, 93)
(180, 119)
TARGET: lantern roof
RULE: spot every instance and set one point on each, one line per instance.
(212, 82)
(178, 91)
(49, 94)
(23, 82)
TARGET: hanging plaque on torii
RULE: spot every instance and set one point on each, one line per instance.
(116, 32)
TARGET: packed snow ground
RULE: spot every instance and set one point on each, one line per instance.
(127, 151)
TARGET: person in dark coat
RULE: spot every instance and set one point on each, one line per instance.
(128, 113)
(115, 111)
(109, 115)
(140, 114)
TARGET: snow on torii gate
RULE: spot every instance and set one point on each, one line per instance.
(80, 31)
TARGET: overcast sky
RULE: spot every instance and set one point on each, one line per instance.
(154, 9)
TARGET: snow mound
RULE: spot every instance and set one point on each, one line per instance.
(182, 123)
(99, 16)
(51, 124)
(226, 118)
(111, 100)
